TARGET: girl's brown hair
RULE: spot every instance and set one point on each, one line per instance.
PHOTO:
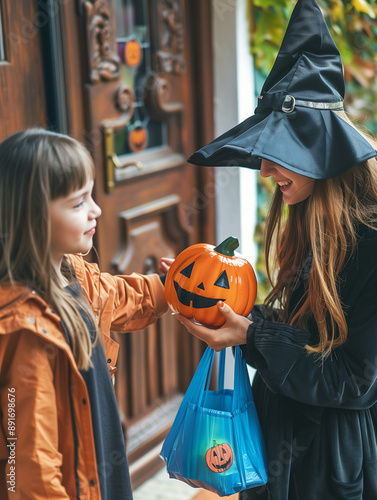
(319, 232)
(36, 167)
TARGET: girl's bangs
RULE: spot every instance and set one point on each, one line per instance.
(73, 168)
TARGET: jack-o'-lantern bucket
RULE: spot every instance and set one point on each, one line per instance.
(202, 275)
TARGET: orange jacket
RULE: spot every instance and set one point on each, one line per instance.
(37, 369)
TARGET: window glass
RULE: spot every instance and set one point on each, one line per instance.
(2, 48)
(134, 50)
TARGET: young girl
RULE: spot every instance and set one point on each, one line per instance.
(60, 435)
(314, 342)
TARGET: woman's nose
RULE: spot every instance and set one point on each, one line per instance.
(267, 168)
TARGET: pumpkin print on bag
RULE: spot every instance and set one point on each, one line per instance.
(219, 458)
(202, 275)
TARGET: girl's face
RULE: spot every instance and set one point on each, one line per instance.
(73, 222)
(294, 187)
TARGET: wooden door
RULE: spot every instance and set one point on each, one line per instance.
(142, 99)
(22, 88)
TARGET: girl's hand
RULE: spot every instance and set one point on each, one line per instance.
(233, 332)
(165, 263)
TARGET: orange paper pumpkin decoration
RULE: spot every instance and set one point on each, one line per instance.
(219, 458)
(133, 53)
(138, 138)
(202, 275)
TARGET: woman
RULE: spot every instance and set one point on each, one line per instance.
(314, 341)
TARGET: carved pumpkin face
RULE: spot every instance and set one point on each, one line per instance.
(138, 138)
(219, 458)
(202, 275)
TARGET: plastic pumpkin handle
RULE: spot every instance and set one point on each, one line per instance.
(228, 246)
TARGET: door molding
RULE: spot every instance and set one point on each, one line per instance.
(102, 59)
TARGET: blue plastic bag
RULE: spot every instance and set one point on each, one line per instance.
(216, 442)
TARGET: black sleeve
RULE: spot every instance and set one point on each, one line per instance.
(347, 378)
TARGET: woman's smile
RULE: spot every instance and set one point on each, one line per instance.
(294, 187)
(284, 185)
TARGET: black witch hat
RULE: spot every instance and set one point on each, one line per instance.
(294, 124)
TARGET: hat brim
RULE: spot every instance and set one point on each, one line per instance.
(315, 143)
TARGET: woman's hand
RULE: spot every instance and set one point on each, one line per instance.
(165, 263)
(233, 332)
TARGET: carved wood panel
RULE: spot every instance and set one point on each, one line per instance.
(143, 229)
(102, 60)
(169, 37)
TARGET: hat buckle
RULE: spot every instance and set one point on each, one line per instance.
(289, 104)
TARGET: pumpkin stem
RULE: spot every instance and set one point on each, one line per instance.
(228, 246)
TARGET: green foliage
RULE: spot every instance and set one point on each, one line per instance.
(353, 26)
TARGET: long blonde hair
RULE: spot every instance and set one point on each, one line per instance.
(317, 237)
(36, 167)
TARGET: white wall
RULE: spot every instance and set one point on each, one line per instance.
(233, 102)
(236, 197)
